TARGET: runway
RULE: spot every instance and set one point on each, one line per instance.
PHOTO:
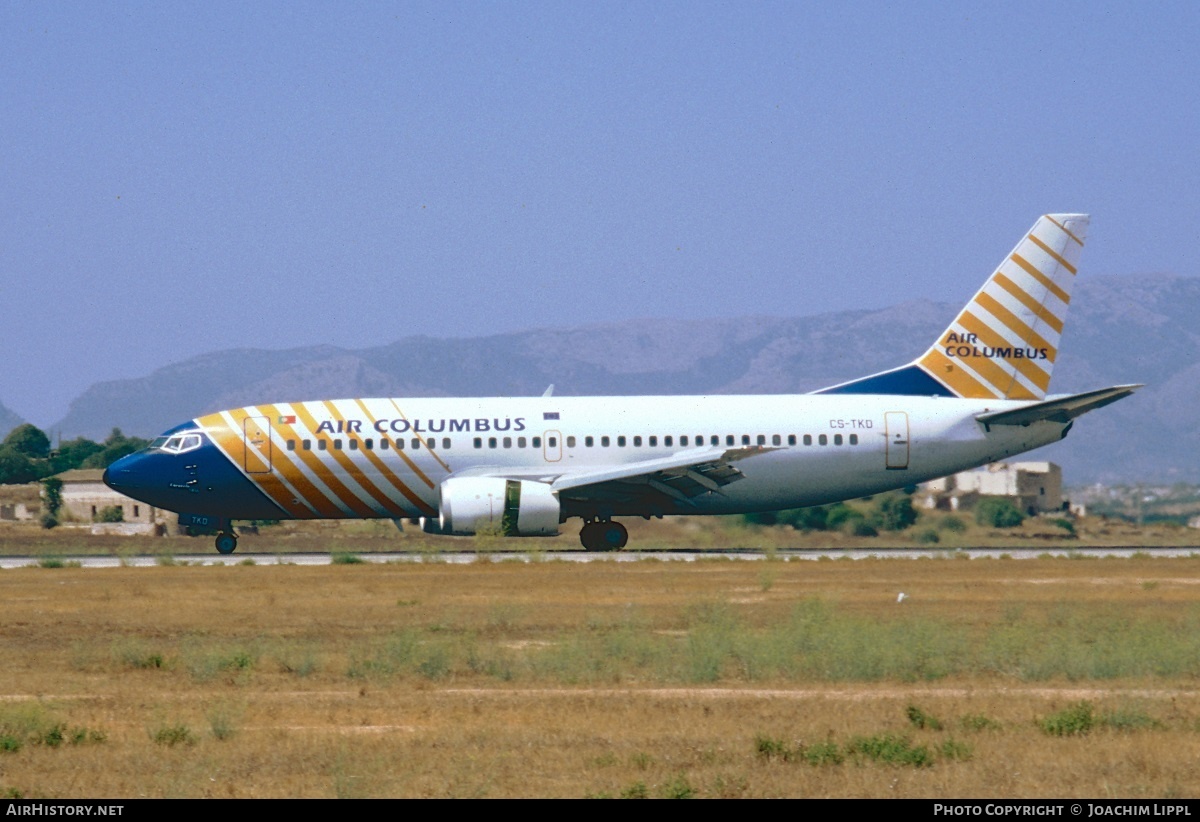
(469, 557)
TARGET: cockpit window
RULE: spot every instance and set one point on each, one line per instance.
(178, 444)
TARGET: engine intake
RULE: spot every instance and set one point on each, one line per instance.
(515, 508)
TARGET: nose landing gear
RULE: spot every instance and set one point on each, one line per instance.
(603, 536)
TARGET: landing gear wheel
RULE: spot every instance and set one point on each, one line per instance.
(613, 535)
(603, 536)
(226, 543)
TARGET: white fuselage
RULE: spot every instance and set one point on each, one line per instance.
(815, 448)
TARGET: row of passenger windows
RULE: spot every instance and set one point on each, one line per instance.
(685, 441)
(368, 444)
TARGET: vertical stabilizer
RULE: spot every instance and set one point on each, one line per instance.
(1003, 344)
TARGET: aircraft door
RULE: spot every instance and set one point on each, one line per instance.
(895, 425)
(256, 438)
(552, 446)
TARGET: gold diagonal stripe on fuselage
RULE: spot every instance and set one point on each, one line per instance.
(1040, 311)
(992, 339)
(233, 434)
(1050, 285)
(316, 481)
(432, 453)
(320, 468)
(1065, 229)
(1054, 254)
(1031, 338)
(275, 485)
(305, 487)
(344, 459)
(390, 475)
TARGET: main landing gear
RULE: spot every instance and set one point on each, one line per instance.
(603, 536)
(226, 542)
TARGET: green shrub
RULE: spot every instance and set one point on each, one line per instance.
(173, 735)
(890, 749)
(927, 536)
(110, 513)
(823, 753)
(1074, 720)
(894, 512)
(919, 719)
(998, 512)
(952, 523)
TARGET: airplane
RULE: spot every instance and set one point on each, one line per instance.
(522, 466)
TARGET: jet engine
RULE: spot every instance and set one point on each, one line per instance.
(514, 508)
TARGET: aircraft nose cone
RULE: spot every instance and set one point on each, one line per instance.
(120, 473)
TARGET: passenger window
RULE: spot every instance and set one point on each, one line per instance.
(416, 443)
(837, 439)
(369, 444)
(776, 440)
(537, 442)
(762, 439)
(322, 445)
(728, 439)
(669, 441)
(823, 440)
(791, 439)
(621, 442)
(306, 445)
(637, 442)
(552, 442)
(431, 443)
(808, 439)
(604, 441)
(716, 440)
(399, 443)
(589, 441)
(479, 442)
(445, 443)
(521, 442)
(508, 442)
(683, 440)
(570, 442)
(291, 445)
(337, 444)
(854, 439)
(653, 441)
(383, 443)
(353, 445)
(491, 442)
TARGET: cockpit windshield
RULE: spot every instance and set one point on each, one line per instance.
(177, 443)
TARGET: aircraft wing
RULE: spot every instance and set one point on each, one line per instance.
(1062, 409)
(663, 482)
(681, 476)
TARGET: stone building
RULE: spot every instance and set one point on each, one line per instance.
(85, 496)
(1034, 487)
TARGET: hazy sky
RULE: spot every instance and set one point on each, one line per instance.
(185, 177)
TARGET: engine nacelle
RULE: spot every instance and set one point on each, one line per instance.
(514, 508)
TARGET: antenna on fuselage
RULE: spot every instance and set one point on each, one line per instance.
(549, 392)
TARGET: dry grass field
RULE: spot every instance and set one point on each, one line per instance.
(721, 678)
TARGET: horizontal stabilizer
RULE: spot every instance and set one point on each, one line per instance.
(1062, 410)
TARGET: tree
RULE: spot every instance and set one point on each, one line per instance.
(116, 446)
(15, 467)
(29, 440)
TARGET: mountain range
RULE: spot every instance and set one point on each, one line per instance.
(1120, 330)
